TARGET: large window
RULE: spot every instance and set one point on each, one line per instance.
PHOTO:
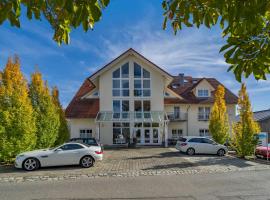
(142, 85)
(85, 133)
(203, 93)
(120, 81)
(142, 108)
(203, 113)
(204, 132)
(120, 108)
(121, 133)
(177, 133)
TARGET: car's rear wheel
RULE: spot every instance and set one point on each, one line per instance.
(87, 161)
(31, 164)
(190, 151)
(221, 152)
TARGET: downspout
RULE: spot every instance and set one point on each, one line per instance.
(187, 117)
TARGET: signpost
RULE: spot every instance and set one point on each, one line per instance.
(263, 141)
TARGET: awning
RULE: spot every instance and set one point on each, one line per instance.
(153, 116)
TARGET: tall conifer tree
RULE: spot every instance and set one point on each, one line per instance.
(46, 113)
(63, 132)
(245, 130)
(219, 124)
(17, 124)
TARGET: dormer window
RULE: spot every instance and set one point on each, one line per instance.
(203, 93)
(96, 94)
(166, 94)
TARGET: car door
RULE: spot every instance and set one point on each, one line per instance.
(209, 146)
(66, 154)
(196, 144)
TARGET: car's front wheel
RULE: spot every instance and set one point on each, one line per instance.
(190, 151)
(221, 152)
(31, 164)
(87, 161)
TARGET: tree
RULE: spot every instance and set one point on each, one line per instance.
(219, 124)
(63, 132)
(245, 24)
(46, 113)
(244, 132)
(17, 124)
(62, 15)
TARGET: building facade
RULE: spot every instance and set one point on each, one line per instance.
(131, 97)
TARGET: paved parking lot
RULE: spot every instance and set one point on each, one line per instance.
(137, 162)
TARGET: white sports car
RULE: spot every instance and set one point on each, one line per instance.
(67, 154)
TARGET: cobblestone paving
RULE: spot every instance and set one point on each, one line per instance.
(136, 162)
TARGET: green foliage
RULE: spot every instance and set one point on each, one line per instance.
(246, 25)
(245, 130)
(46, 113)
(63, 131)
(17, 124)
(219, 124)
(62, 15)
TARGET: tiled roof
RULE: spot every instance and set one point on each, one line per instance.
(82, 107)
(258, 115)
(185, 90)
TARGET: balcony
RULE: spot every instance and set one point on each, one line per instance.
(173, 117)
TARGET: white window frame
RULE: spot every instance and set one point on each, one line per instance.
(204, 115)
(204, 132)
(141, 79)
(203, 93)
(84, 131)
(120, 79)
(177, 133)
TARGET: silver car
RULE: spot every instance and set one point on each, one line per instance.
(67, 154)
(200, 145)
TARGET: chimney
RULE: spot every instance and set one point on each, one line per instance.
(181, 78)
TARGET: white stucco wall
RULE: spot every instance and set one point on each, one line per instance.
(76, 124)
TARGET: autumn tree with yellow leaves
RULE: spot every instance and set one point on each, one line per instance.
(17, 122)
(219, 124)
(245, 131)
(63, 132)
(45, 112)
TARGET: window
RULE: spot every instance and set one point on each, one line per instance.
(67, 147)
(177, 133)
(142, 108)
(120, 108)
(142, 85)
(196, 140)
(121, 133)
(96, 94)
(204, 132)
(207, 141)
(203, 93)
(176, 112)
(85, 133)
(203, 113)
(120, 81)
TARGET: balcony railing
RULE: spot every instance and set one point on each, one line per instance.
(181, 116)
(203, 116)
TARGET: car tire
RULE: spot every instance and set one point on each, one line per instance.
(87, 161)
(190, 151)
(31, 164)
(221, 152)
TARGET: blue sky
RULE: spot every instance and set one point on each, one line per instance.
(125, 24)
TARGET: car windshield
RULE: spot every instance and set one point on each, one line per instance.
(182, 139)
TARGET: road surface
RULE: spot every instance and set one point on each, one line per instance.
(222, 186)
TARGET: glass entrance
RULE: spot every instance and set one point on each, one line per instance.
(147, 136)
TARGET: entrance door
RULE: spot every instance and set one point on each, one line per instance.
(147, 136)
(138, 135)
(155, 138)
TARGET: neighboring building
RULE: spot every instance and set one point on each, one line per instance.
(262, 117)
(132, 97)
